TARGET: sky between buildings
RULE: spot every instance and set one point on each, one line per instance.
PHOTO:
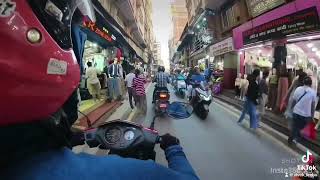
(162, 26)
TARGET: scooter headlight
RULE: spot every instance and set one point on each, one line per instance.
(33, 35)
(205, 98)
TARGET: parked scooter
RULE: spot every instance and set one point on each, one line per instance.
(201, 102)
(131, 140)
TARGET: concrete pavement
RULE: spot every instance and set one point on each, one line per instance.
(219, 148)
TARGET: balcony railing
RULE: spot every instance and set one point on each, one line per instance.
(127, 10)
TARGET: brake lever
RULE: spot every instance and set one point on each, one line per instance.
(158, 140)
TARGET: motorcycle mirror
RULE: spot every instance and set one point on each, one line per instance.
(179, 110)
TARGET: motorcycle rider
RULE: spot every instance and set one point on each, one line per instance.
(161, 79)
(180, 75)
(196, 79)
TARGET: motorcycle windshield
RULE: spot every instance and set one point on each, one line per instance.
(200, 91)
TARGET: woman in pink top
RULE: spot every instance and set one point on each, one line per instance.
(140, 92)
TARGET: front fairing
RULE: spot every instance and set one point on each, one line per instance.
(33, 84)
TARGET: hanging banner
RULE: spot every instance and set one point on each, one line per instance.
(257, 7)
(299, 22)
(222, 47)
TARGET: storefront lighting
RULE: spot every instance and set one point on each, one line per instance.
(204, 19)
(240, 52)
(95, 45)
(207, 56)
(314, 49)
(33, 35)
(318, 53)
(289, 56)
(252, 47)
(259, 51)
(304, 38)
(309, 45)
(269, 55)
(198, 26)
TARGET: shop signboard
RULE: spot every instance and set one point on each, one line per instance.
(222, 47)
(101, 31)
(300, 22)
(257, 7)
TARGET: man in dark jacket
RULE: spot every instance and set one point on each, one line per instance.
(252, 97)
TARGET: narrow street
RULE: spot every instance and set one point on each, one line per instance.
(219, 148)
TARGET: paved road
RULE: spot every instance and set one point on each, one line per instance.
(219, 148)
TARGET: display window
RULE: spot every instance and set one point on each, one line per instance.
(300, 55)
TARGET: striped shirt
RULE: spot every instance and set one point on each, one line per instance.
(162, 79)
(138, 85)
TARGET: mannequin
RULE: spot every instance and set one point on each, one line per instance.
(314, 79)
(114, 80)
(121, 77)
(283, 86)
(273, 85)
(237, 85)
(244, 83)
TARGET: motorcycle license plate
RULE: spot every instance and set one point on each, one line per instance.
(163, 105)
(206, 107)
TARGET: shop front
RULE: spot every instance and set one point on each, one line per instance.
(102, 45)
(225, 61)
(283, 41)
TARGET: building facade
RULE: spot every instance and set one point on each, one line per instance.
(179, 18)
(157, 52)
(208, 37)
(230, 35)
(134, 20)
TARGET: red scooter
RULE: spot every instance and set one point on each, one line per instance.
(37, 49)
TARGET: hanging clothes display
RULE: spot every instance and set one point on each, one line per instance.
(273, 86)
(78, 39)
(244, 83)
(283, 87)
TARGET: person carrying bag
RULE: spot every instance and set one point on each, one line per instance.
(303, 106)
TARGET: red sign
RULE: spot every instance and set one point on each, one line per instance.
(93, 27)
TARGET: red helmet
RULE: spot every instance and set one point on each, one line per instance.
(39, 70)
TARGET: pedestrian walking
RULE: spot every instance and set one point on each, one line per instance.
(138, 84)
(93, 82)
(304, 99)
(129, 81)
(288, 99)
(251, 100)
(263, 87)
